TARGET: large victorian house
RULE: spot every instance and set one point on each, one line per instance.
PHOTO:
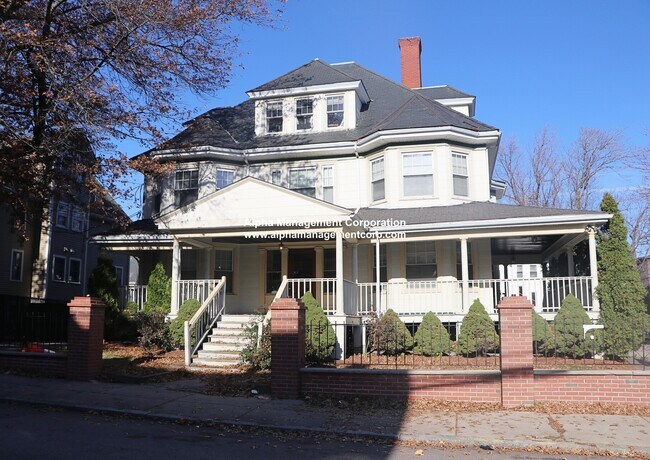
(369, 193)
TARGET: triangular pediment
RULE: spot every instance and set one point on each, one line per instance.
(248, 202)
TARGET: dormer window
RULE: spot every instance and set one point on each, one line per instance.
(334, 111)
(186, 187)
(304, 113)
(274, 117)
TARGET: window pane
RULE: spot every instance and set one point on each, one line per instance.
(461, 186)
(58, 269)
(377, 173)
(378, 192)
(16, 266)
(303, 181)
(304, 110)
(334, 111)
(418, 185)
(328, 177)
(421, 260)
(459, 164)
(273, 270)
(225, 177)
(328, 194)
(186, 180)
(276, 177)
(274, 117)
(417, 164)
(62, 213)
(74, 271)
(223, 267)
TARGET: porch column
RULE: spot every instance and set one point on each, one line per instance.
(339, 273)
(261, 260)
(320, 270)
(355, 262)
(378, 277)
(176, 271)
(593, 267)
(570, 263)
(465, 272)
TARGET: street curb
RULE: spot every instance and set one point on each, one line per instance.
(454, 440)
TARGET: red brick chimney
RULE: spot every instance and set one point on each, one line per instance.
(410, 50)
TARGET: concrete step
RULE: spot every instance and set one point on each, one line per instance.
(227, 331)
(230, 325)
(220, 346)
(219, 355)
(224, 344)
(231, 339)
(214, 363)
(238, 318)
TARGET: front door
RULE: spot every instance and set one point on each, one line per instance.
(301, 264)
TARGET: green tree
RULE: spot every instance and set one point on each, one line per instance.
(177, 326)
(569, 333)
(320, 337)
(620, 291)
(543, 334)
(159, 291)
(389, 335)
(431, 338)
(477, 332)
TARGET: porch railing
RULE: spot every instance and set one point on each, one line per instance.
(323, 290)
(194, 289)
(197, 329)
(133, 293)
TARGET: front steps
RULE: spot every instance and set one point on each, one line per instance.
(225, 343)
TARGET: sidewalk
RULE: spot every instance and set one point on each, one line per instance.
(183, 400)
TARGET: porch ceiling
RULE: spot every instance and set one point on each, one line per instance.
(523, 244)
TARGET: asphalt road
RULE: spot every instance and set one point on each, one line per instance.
(28, 432)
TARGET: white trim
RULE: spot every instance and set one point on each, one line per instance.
(313, 89)
(65, 271)
(22, 265)
(68, 270)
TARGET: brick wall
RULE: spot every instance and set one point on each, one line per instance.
(607, 386)
(474, 386)
(288, 347)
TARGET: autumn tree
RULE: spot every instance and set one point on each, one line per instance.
(76, 76)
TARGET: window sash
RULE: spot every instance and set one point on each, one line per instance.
(274, 117)
(335, 111)
(77, 219)
(16, 266)
(460, 174)
(187, 179)
(225, 177)
(223, 266)
(304, 113)
(417, 173)
(377, 179)
(303, 181)
(276, 177)
(62, 214)
(74, 271)
(273, 270)
(328, 184)
(421, 260)
(58, 269)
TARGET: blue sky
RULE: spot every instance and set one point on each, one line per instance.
(565, 64)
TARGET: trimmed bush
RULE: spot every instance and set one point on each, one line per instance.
(477, 332)
(259, 357)
(389, 335)
(177, 326)
(131, 308)
(431, 338)
(543, 334)
(159, 292)
(153, 332)
(569, 334)
(320, 336)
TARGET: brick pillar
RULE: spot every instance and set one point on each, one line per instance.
(287, 347)
(516, 334)
(85, 338)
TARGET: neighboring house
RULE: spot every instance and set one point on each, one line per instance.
(394, 182)
(66, 254)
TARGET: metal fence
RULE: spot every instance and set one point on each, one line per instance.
(579, 344)
(385, 343)
(32, 326)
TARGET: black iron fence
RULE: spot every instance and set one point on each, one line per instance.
(391, 344)
(33, 326)
(579, 344)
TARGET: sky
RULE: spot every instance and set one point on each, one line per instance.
(564, 64)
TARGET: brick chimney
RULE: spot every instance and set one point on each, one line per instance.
(410, 50)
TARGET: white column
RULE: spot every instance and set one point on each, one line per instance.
(377, 277)
(570, 263)
(355, 262)
(593, 267)
(339, 273)
(465, 271)
(176, 271)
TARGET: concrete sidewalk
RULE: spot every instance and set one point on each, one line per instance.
(184, 400)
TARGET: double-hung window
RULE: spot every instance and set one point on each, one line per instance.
(417, 172)
(304, 113)
(335, 111)
(223, 266)
(16, 269)
(459, 261)
(274, 117)
(77, 219)
(225, 177)
(303, 181)
(273, 270)
(276, 177)
(74, 271)
(186, 187)
(378, 189)
(460, 174)
(328, 184)
(62, 214)
(533, 271)
(421, 260)
(58, 269)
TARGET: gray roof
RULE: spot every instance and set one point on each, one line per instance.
(467, 212)
(441, 92)
(392, 106)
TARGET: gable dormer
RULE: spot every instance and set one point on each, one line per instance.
(313, 98)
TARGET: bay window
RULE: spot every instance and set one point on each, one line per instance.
(460, 174)
(417, 173)
(377, 173)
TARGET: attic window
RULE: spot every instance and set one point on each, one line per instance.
(274, 117)
(334, 111)
(186, 187)
(304, 112)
